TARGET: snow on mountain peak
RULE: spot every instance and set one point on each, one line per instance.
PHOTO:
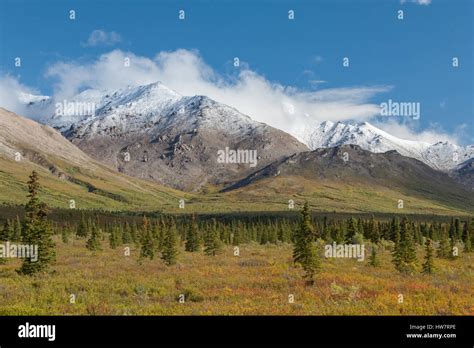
(30, 99)
(442, 155)
(138, 108)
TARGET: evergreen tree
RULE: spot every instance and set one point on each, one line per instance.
(352, 229)
(37, 231)
(134, 233)
(169, 251)
(212, 243)
(7, 231)
(337, 235)
(65, 233)
(428, 265)
(82, 229)
(373, 231)
(17, 234)
(147, 243)
(192, 238)
(5, 236)
(457, 229)
(443, 248)
(162, 227)
(115, 237)
(374, 260)
(407, 249)
(466, 238)
(127, 234)
(93, 243)
(396, 252)
(304, 250)
(452, 229)
(311, 263)
(395, 229)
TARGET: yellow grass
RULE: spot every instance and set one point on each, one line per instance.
(258, 282)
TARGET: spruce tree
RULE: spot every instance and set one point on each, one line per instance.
(428, 265)
(4, 236)
(65, 232)
(82, 229)
(161, 232)
(304, 249)
(374, 260)
(443, 248)
(93, 243)
(466, 238)
(147, 243)
(374, 233)
(407, 249)
(452, 229)
(37, 231)
(192, 238)
(126, 234)
(352, 229)
(17, 234)
(7, 231)
(212, 242)
(457, 229)
(396, 252)
(395, 229)
(115, 237)
(169, 251)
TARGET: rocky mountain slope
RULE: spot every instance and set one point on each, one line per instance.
(152, 132)
(387, 177)
(66, 172)
(442, 155)
(464, 173)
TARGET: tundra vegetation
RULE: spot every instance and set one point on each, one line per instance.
(152, 263)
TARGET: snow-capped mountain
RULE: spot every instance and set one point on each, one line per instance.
(155, 107)
(137, 109)
(155, 133)
(442, 155)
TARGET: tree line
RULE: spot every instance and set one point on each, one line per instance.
(167, 235)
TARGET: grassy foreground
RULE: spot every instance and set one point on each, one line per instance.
(258, 282)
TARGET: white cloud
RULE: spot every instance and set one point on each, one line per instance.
(283, 107)
(101, 37)
(419, 2)
(249, 92)
(433, 134)
(15, 96)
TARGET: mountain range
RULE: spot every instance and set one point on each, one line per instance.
(152, 132)
(162, 141)
(442, 155)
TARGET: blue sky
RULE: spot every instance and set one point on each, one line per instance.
(412, 55)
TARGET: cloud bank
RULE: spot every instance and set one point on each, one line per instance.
(290, 109)
(185, 71)
(15, 96)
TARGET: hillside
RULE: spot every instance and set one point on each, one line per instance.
(66, 172)
(365, 182)
(151, 132)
